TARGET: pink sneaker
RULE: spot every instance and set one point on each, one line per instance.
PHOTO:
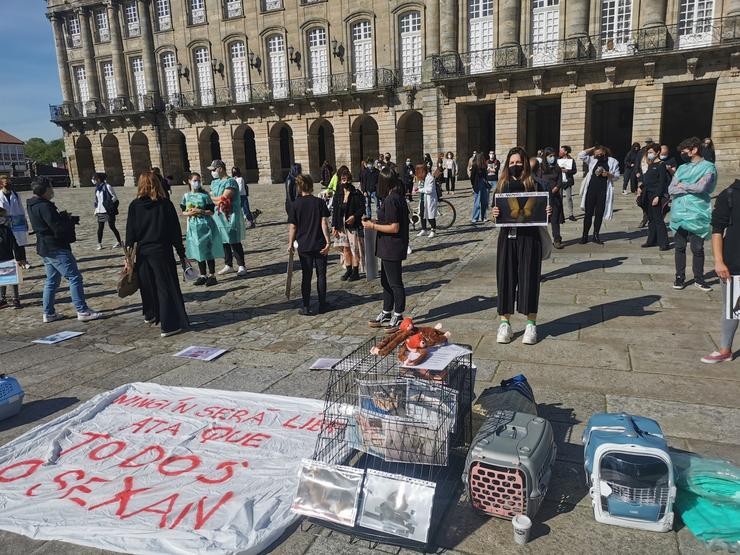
(716, 357)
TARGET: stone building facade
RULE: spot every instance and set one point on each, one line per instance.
(264, 83)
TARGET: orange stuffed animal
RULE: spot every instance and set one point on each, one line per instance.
(408, 332)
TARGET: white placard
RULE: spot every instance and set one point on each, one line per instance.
(732, 299)
(149, 469)
(440, 357)
(324, 363)
(328, 492)
(206, 354)
(58, 337)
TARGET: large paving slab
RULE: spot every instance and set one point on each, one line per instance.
(613, 335)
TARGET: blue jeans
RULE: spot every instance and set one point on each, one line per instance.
(61, 264)
(369, 203)
(476, 207)
(245, 208)
(484, 198)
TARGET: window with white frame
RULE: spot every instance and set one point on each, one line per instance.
(318, 54)
(101, 25)
(545, 31)
(480, 35)
(131, 16)
(363, 55)
(239, 71)
(137, 71)
(171, 77)
(197, 12)
(164, 15)
(83, 93)
(269, 5)
(204, 73)
(616, 23)
(234, 8)
(109, 80)
(73, 30)
(695, 23)
(278, 63)
(411, 53)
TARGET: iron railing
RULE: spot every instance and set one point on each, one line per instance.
(705, 33)
(97, 108)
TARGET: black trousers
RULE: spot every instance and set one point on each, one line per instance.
(556, 218)
(22, 254)
(432, 222)
(391, 278)
(657, 232)
(13, 288)
(111, 225)
(518, 272)
(309, 261)
(231, 251)
(161, 297)
(211, 267)
(595, 207)
(630, 178)
(450, 183)
(681, 238)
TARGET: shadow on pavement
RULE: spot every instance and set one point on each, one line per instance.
(583, 267)
(429, 265)
(442, 246)
(36, 410)
(476, 303)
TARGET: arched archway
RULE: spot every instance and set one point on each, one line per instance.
(281, 151)
(140, 159)
(245, 153)
(112, 165)
(320, 147)
(364, 142)
(410, 137)
(177, 161)
(85, 162)
(209, 148)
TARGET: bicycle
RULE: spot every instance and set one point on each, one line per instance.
(446, 214)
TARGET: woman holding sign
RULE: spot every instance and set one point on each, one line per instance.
(11, 202)
(519, 252)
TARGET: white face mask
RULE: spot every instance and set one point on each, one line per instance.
(664, 157)
(214, 174)
(651, 156)
(195, 184)
(550, 159)
(491, 155)
(94, 182)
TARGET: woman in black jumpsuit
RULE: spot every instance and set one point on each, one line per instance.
(655, 184)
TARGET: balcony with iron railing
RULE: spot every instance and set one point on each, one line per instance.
(708, 33)
(73, 111)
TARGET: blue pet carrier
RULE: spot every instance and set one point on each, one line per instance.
(11, 397)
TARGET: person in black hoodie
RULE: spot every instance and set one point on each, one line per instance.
(346, 222)
(9, 252)
(654, 186)
(630, 169)
(369, 187)
(551, 177)
(726, 250)
(290, 189)
(153, 226)
(55, 232)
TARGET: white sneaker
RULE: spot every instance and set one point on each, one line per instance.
(431, 234)
(116, 246)
(241, 272)
(225, 270)
(48, 318)
(26, 266)
(504, 333)
(485, 220)
(422, 233)
(88, 316)
(99, 247)
(530, 335)
(170, 333)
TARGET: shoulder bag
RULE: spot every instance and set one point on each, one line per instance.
(128, 282)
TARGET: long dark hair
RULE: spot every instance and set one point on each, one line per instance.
(387, 182)
(527, 179)
(479, 167)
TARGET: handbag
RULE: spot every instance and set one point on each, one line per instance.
(128, 282)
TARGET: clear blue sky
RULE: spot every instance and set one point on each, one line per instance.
(29, 81)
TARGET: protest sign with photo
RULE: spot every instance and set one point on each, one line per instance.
(522, 209)
(328, 492)
(732, 299)
(149, 469)
(10, 273)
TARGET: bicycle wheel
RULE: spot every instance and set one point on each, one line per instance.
(446, 214)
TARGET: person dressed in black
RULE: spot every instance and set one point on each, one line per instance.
(290, 190)
(369, 187)
(519, 253)
(707, 150)
(630, 169)
(308, 226)
(655, 182)
(408, 178)
(598, 194)
(392, 246)
(153, 226)
(346, 223)
(552, 180)
(428, 163)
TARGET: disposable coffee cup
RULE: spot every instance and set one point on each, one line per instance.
(522, 526)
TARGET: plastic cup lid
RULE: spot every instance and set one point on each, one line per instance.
(521, 521)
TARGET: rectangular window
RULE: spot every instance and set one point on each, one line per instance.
(270, 5)
(278, 66)
(695, 23)
(171, 77)
(363, 57)
(480, 39)
(73, 30)
(234, 8)
(164, 15)
(137, 70)
(239, 71)
(411, 52)
(205, 76)
(101, 25)
(83, 93)
(109, 80)
(197, 12)
(131, 15)
(545, 31)
(616, 25)
(319, 58)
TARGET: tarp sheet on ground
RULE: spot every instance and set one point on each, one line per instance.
(153, 469)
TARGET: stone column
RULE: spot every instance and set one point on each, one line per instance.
(116, 41)
(65, 80)
(432, 28)
(448, 27)
(150, 64)
(648, 110)
(507, 131)
(653, 13)
(725, 122)
(91, 69)
(576, 18)
(509, 15)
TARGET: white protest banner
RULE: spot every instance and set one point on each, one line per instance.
(152, 469)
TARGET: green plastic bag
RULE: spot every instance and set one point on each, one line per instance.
(708, 498)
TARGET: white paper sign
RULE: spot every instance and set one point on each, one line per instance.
(58, 337)
(732, 299)
(161, 470)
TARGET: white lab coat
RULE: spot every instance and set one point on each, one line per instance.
(17, 217)
(430, 197)
(613, 170)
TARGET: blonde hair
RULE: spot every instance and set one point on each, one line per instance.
(304, 183)
(150, 186)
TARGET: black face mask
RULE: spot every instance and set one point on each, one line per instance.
(685, 157)
(516, 171)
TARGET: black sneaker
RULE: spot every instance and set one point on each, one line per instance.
(305, 311)
(355, 275)
(17, 304)
(4, 304)
(347, 274)
(200, 281)
(211, 281)
(381, 320)
(703, 286)
(679, 283)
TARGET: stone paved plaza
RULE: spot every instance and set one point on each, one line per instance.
(613, 334)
